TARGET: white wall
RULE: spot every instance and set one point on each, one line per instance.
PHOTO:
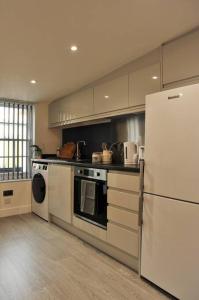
(20, 202)
(48, 139)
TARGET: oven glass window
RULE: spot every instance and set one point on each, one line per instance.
(88, 192)
(90, 200)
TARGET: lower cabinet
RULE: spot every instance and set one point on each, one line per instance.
(123, 239)
(122, 212)
(123, 217)
(60, 191)
(124, 181)
(90, 228)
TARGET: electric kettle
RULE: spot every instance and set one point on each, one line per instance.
(130, 153)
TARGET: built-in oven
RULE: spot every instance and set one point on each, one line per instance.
(90, 195)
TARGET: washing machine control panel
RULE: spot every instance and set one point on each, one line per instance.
(36, 166)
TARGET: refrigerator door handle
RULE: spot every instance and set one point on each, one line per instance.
(141, 193)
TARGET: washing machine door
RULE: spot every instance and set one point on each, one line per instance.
(38, 188)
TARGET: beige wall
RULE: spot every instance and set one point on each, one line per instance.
(20, 202)
(47, 139)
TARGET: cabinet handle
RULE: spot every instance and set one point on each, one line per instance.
(175, 96)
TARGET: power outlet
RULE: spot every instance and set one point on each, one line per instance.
(8, 194)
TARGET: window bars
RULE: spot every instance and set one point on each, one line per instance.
(16, 133)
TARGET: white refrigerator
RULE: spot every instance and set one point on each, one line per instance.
(170, 229)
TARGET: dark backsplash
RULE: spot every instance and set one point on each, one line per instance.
(118, 130)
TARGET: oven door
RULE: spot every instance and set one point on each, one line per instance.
(90, 200)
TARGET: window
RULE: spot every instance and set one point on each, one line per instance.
(16, 129)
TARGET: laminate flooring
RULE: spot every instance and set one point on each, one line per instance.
(39, 260)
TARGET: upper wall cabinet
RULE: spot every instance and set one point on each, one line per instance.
(111, 95)
(65, 110)
(180, 58)
(123, 94)
(142, 82)
(80, 104)
(52, 113)
(56, 114)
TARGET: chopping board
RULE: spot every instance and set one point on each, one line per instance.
(67, 151)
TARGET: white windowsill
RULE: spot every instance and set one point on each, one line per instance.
(14, 180)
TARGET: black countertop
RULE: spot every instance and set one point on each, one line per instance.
(86, 163)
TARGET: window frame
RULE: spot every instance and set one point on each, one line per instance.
(18, 119)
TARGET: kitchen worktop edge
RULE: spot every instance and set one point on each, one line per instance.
(117, 167)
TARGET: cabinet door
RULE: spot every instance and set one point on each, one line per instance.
(53, 115)
(62, 115)
(66, 110)
(180, 58)
(143, 82)
(56, 112)
(123, 238)
(112, 95)
(94, 230)
(170, 245)
(81, 104)
(60, 191)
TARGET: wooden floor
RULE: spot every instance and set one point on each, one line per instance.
(40, 261)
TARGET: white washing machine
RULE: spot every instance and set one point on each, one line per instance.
(40, 190)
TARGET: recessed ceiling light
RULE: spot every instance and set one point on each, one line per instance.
(180, 94)
(33, 81)
(106, 96)
(73, 48)
(155, 77)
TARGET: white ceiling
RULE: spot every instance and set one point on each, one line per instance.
(34, 36)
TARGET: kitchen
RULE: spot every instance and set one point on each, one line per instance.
(98, 163)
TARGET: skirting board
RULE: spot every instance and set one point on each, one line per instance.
(122, 257)
(6, 212)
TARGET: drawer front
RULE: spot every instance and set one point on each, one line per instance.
(123, 239)
(129, 182)
(90, 228)
(123, 217)
(123, 199)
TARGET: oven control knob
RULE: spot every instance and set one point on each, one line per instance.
(98, 173)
